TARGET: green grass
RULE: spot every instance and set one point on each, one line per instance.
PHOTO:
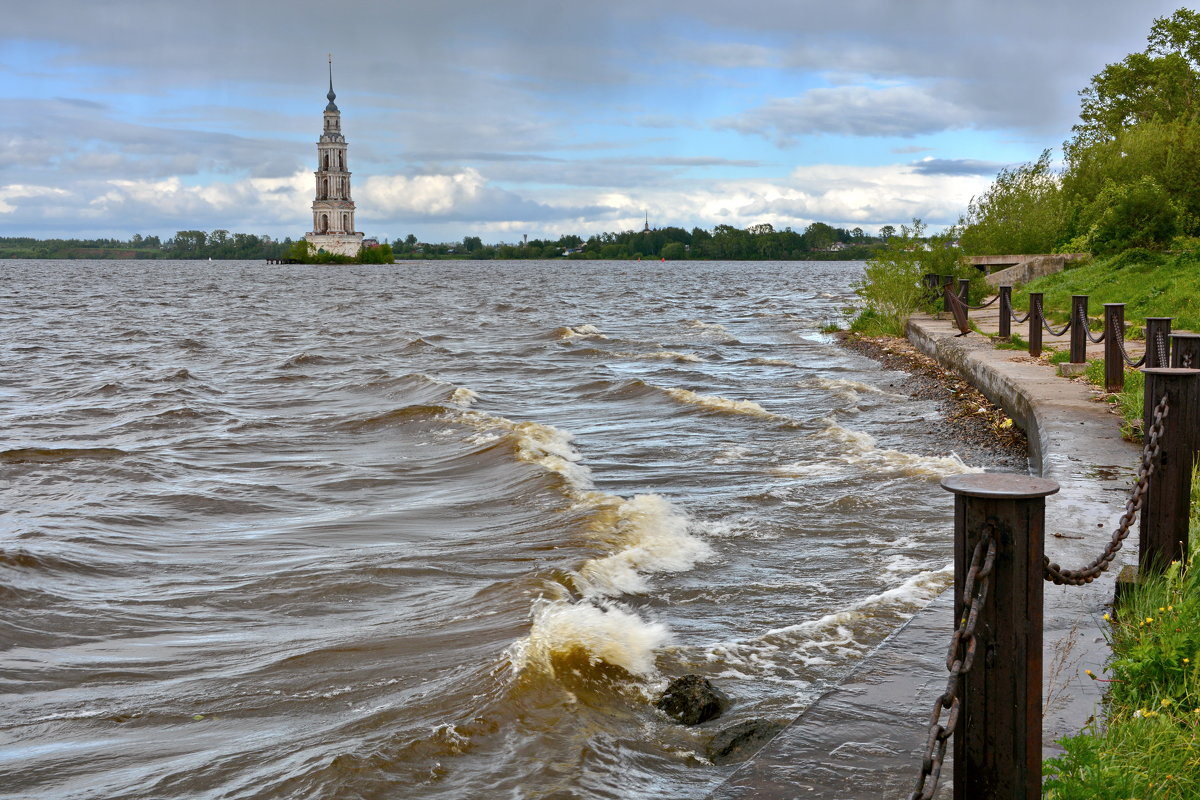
(870, 322)
(1148, 745)
(1150, 285)
(1131, 400)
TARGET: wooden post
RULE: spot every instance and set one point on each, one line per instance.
(1158, 332)
(932, 280)
(964, 290)
(998, 742)
(1114, 334)
(1005, 312)
(1185, 350)
(947, 286)
(1079, 308)
(1035, 324)
(1164, 525)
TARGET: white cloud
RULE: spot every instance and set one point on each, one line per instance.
(17, 191)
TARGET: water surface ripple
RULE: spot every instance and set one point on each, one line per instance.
(436, 530)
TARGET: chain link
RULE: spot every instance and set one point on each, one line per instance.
(1083, 323)
(959, 660)
(1186, 361)
(1078, 577)
(1046, 323)
(1161, 341)
(1125, 354)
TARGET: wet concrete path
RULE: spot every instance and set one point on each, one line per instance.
(863, 739)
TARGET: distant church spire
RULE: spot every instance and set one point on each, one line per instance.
(647, 228)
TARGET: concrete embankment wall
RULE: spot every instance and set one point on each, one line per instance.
(863, 738)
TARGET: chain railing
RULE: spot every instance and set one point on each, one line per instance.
(1083, 323)
(1046, 323)
(1125, 353)
(1078, 577)
(959, 660)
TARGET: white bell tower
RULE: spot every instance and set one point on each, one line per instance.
(333, 209)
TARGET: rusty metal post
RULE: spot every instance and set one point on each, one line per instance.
(1035, 324)
(1158, 332)
(964, 290)
(1185, 350)
(1005, 312)
(1079, 309)
(1114, 334)
(947, 286)
(1164, 527)
(998, 743)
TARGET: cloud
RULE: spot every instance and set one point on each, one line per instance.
(957, 166)
(852, 111)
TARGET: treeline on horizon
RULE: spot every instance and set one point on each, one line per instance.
(818, 241)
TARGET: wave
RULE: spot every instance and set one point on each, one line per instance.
(770, 362)
(578, 332)
(54, 455)
(643, 535)
(722, 405)
(861, 449)
(663, 355)
(307, 359)
(848, 391)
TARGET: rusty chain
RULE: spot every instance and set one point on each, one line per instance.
(1124, 354)
(1046, 323)
(1083, 323)
(1077, 577)
(959, 660)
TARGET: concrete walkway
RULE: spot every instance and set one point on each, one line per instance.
(863, 739)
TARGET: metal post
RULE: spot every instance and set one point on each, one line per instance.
(1114, 334)
(1035, 324)
(947, 286)
(1005, 312)
(1079, 309)
(1158, 332)
(1185, 350)
(998, 742)
(964, 290)
(1164, 531)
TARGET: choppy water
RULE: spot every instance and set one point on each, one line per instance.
(435, 530)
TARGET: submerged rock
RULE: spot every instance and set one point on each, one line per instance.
(692, 699)
(738, 742)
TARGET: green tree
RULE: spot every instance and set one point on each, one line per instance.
(1022, 212)
(1160, 83)
(674, 251)
(819, 236)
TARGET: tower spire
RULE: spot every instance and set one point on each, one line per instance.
(331, 96)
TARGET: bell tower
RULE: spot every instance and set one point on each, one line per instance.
(333, 208)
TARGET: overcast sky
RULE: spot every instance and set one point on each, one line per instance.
(541, 117)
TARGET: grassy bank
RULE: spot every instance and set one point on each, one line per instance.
(1150, 284)
(1148, 744)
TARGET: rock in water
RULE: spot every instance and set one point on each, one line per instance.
(738, 742)
(692, 700)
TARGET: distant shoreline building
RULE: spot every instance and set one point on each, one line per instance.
(333, 208)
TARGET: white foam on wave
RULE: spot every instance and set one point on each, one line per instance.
(723, 405)
(861, 449)
(611, 634)
(462, 396)
(716, 327)
(664, 355)
(644, 535)
(848, 391)
(771, 362)
(833, 635)
(579, 332)
(652, 536)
